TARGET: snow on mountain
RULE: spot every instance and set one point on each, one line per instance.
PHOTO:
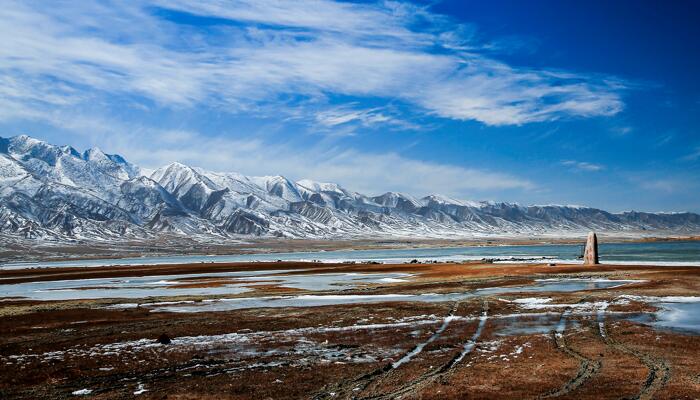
(278, 186)
(48, 191)
(314, 186)
(11, 171)
(93, 170)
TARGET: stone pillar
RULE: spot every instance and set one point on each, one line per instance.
(590, 255)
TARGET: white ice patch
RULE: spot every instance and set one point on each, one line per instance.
(532, 301)
(601, 321)
(660, 299)
(392, 280)
(542, 304)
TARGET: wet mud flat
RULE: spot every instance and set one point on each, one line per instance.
(363, 331)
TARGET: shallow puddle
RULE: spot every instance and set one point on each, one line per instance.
(232, 283)
(223, 283)
(330, 281)
(684, 317)
(516, 325)
(559, 285)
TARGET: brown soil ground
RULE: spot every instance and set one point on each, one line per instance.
(55, 349)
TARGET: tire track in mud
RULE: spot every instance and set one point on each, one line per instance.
(587, 368)
(419, 348)
(659, 369)
(356, 386)
(441, 372)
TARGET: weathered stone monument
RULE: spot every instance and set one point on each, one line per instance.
(590, 254)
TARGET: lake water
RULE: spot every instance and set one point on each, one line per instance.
(658, 253)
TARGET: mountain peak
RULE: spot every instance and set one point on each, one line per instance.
(172, 168)
(25, 142)
(441, 199)
(391, 199)
(24, 138)
(320, 186)
(71, 151)
(271, 180)
(94, 153)
(178, 165)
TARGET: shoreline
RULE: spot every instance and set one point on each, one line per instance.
(451, 269)
(119, 251)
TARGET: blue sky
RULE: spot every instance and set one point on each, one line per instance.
(533, 102)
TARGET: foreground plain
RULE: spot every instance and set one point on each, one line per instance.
(504, 339)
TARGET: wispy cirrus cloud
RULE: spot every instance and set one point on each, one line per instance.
(266, 54)
(351, 115)
(344, 115)
(583, 166)
(622, 130)
(693, 155)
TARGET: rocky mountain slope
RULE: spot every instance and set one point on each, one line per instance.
(56, 192)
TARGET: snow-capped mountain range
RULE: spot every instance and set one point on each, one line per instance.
(56, 192)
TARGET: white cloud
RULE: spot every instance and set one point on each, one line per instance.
(693, 155)
(622, 130)
(353, 114)
(306, 48)
(583, 166)
(388, 19)
(665, 139)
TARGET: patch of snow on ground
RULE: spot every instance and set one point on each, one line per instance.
(141, 389)
(532, 301)
(245, 339)
(392, 280)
